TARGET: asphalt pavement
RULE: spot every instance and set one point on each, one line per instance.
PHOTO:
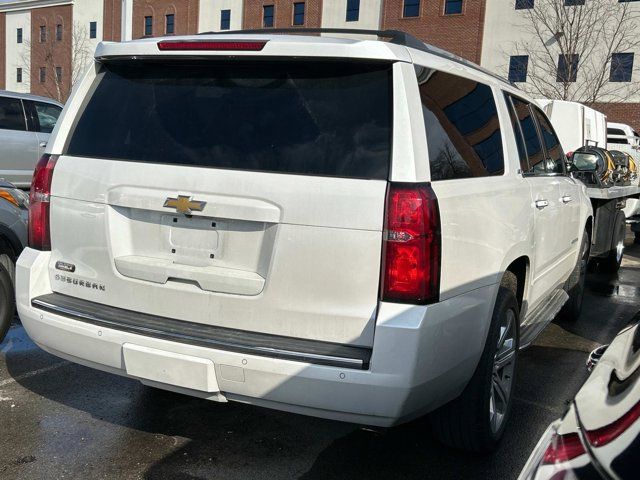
(62, 420)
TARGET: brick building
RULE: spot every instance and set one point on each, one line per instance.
(41, 41)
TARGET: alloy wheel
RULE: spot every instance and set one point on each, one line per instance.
(503, 370)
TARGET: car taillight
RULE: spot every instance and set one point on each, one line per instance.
(563, 448)
(606, 434)
(39, 197)
(411, 245)
(237, 45)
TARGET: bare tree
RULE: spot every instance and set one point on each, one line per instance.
(50, 54)
(571, 47)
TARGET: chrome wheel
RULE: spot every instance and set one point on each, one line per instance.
(503, 369)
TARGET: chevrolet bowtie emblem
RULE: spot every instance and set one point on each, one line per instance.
(184, 204)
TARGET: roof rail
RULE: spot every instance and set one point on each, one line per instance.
(397, 37)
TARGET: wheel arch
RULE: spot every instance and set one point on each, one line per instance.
(9, 243)
(520, 269)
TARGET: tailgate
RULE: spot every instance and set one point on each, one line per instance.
(239, 195)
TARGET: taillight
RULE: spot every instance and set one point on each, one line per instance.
(39, 197)
(411, 245)
(604, 435)
(563, 448)
(238, 45)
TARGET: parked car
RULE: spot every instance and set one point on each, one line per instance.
(26, 121)
(360, 230)
(13, 238)
(599, 435)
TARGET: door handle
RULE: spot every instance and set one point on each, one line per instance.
(542, 204)
(566, 199)
(43, 144)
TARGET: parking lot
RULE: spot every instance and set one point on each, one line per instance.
(62, 420)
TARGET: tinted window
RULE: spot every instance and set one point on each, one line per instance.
(11, 114)
(47, 116)
(555, 153)
(615, 131)
(533, 146)
(93, 29)
(316, 118)
(621, 141)
(463, 132)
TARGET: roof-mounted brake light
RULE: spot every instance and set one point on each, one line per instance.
(236, 45)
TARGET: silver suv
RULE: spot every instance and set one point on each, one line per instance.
(26, 121)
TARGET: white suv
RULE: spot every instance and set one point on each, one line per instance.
(354, 229)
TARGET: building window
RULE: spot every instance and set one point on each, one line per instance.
(567, 68)
(411, 8)
(518, 66)
(43, 74)
(19, 35)
(58, 32)
(353, 10)
(452, 7)
(524, 4)
(93, 29)
(19, 75)
(170, 23)
(43, 33)
(148, 25)
(267, 16)
(298, 13)
(225, 19)
(621, 67)
(573, 3)
(59, 74)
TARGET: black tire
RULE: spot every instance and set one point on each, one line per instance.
(611, 263)
(466, 422)
(7, 302)
(575, 284)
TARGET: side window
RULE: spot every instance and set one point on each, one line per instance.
(533, 145)
(47, 116)
(517, 132)
(463, 131)
(556, 159)
(11, 114)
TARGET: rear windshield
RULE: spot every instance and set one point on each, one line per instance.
(312, 118)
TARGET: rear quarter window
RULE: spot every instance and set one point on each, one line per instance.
(462, 127)
(311, 118)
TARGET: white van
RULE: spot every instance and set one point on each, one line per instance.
(360, 230)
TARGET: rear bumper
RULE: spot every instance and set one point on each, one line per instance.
(423, 356)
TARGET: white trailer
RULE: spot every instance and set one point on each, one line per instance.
(576, 125)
